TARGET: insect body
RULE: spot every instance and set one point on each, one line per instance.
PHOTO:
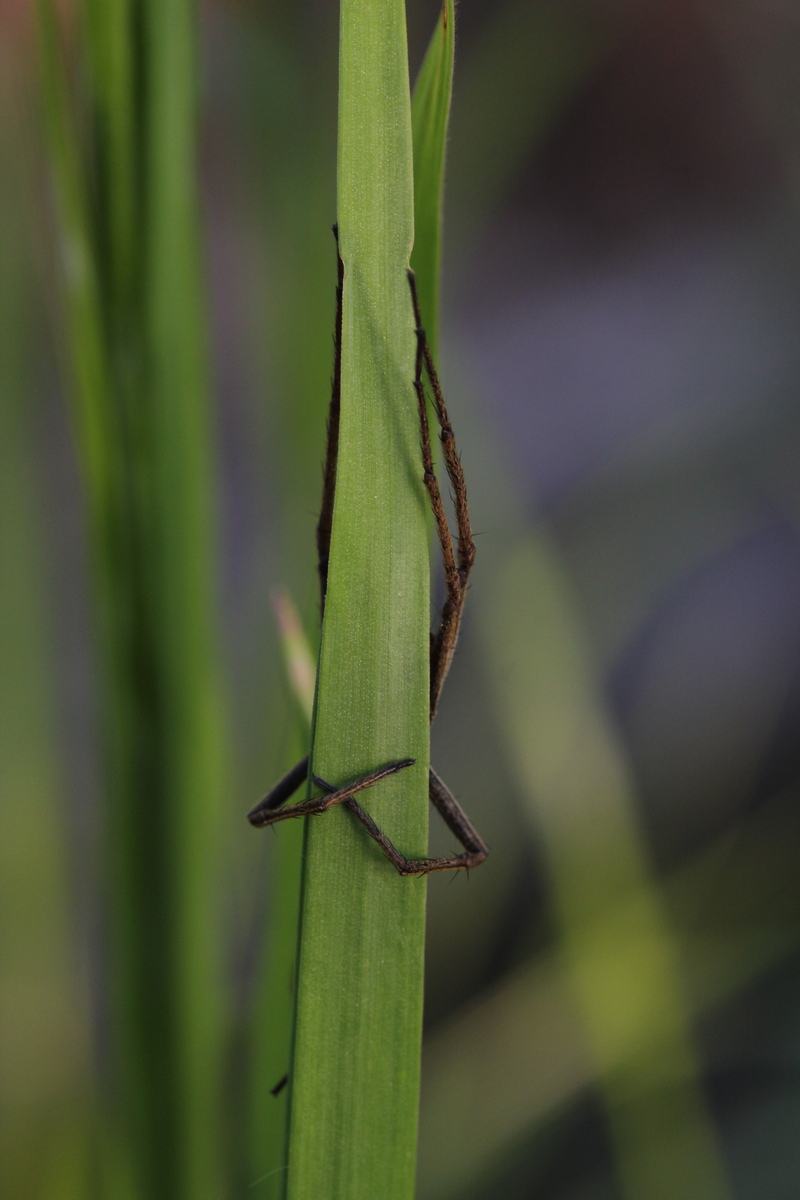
(457, 566)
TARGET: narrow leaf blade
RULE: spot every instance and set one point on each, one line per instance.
(355, 1073)
(430, 113)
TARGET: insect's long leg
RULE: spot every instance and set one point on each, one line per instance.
(261, 815)
(325, 523)
(455, 818)
(270, 810)
(283, 789)
(466, 545)
(293, 779)
(443, 642)
(451, 575)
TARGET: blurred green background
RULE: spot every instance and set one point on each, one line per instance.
(613, 1000)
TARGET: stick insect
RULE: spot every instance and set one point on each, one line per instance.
(457, 566)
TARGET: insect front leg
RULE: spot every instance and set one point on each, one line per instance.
(270, 814)
(279, 794)
(456, 820)
(456, 572)
(325, 522)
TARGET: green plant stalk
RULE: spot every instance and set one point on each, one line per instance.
(272, 1039)
(135, 342)
(355, 1067)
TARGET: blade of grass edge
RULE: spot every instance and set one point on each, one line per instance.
(271, 1038)
(355, 1070)
(430, 113)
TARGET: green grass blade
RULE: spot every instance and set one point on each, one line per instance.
(136, 343)
(44, 1025)
(272, 1036)
(618, 948)
(82, 302)
(522, 1042)
(430, 112)
(297, 656)
(355, 1071)
(110, 40)
(182, 579)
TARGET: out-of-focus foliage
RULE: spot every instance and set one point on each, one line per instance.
(618, 344)
(118, 97)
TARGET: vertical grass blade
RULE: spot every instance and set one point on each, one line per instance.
(355, 1070)
(297, 656)
(272, 1035)
(620, 954)
(430, 112)
(44, 1044)
(127, 204)
(182, 580)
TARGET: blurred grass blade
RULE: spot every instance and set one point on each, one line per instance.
(296, 652)
(355, 1070)
(272, 1037)
(514, 84)
(44, 1029)
(110, 39)
(136, 344)
(619, 951)
(83, 308)
(274, 1014)
(430, 112)
(180, 578)
(522, 1041)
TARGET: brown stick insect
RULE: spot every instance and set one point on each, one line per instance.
(457, 566)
